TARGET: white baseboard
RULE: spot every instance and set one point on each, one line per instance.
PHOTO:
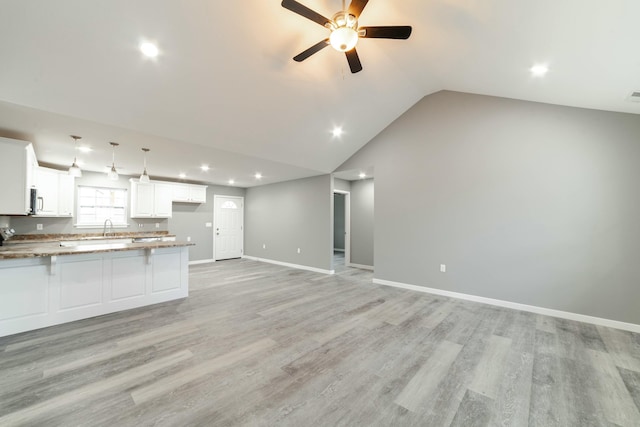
(632, 327)
(201, 261)
(362, 266)
(287, 264)
(338, 250)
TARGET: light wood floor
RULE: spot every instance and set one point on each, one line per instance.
(262, 345)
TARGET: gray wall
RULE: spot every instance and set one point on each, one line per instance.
(338, 221)
(189, 220)
(525, 202)
(341, 184)
(27, 224)
(362, 224)
(290, 215)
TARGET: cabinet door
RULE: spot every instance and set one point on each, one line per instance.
(47, 185)
(14, 176)
(162, 200)
(198, 193)
(142, 200)
(66, 194)
(180, 192)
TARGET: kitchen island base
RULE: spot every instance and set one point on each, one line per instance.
(45, 291)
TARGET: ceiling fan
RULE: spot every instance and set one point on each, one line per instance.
(345, 31)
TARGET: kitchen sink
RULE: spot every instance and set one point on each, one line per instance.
(72, 243)
(146, 239)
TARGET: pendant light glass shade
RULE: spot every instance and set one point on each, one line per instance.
(113, 173)
(75, 170)
(144, 178)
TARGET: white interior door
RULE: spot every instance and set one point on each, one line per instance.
(228, 230)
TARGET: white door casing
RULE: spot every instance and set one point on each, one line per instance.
(228, 230)
(347, 227)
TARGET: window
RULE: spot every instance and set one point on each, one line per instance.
(229, 205)
(96, 204)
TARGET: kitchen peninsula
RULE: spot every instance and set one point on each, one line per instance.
(45, 283)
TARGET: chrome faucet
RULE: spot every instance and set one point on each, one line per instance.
(104, 230)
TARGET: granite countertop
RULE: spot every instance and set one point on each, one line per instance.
(46, 238)
(16, 252)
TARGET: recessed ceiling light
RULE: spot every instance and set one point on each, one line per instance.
(85, 149)
(149, 49)
(539, 70)
(337, 132)
(182, 175)
(204, 168)
(231, 182)
(258, 175)
(362, 175)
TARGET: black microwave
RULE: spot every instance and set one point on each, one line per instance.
(33, 201)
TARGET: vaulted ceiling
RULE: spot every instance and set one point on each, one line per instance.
(225, 92)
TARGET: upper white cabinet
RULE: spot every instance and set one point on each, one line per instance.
(162, 200)
(55, 192)
(152, 200)
(16, 176)
(189, 193)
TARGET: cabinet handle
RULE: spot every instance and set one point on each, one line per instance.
(41, 200)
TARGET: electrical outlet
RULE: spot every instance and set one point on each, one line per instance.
(140, 225)
(188, 238)
(298, 250)
(157, 225)
(38, 226)
(208, 224)
(264, 246)
(443, 268)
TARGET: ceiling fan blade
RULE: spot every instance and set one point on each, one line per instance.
(354, 61)
(356, 7)
(303, 10)
(313, 49)
(396, 32)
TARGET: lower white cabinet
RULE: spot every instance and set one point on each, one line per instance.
(45, 291)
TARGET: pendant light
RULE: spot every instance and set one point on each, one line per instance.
(144, 178)
(113, 173)
(75, 170)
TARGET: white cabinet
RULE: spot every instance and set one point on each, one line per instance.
(150, 200)
(162, 200)
(16, 176)
(55, 192)
(189, 193)
(45, 291)
(66, 195)
(141, 200)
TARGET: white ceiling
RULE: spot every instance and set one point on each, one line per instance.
(224, 90)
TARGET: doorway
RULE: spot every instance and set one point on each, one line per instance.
(341, 230)
(228, 230)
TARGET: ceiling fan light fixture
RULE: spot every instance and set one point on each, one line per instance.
(343, 39)
(344, 34)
